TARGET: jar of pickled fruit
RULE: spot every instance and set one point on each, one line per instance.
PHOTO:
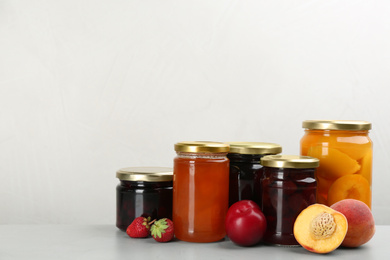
(288, 186)
(245, 169)
(345, 152)
(143, 191)
(200, 191)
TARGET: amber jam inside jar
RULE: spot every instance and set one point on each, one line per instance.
(288, 186)
(245, 169)
(345, 153)
(143, 191)
(200, 191)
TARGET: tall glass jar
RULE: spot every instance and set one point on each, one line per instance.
(288, 186)
(345, 152)
(200, 191)
(143, 191)
(245, 169)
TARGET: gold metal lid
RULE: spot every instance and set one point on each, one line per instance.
(202, 147)
(336, 125)
(148, 174)
(289, 161)
(254, 148)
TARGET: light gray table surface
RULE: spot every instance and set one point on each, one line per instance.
(107, 242)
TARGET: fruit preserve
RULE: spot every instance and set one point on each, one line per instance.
(143, 191)
(200, 191)
(288, 186)
(345, 153)
(244, 173)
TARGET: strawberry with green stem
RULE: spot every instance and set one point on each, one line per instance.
(162, 230)
(139, 228)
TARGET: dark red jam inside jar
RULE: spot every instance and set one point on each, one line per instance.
(288, 186)
(245, 169)
(143, 191)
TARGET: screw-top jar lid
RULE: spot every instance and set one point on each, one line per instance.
(202, 147)
(148, 174)
(289, 161)
(254, 148)
(351, 125)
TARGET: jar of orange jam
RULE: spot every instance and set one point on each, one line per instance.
(200, 191)
(345, 153)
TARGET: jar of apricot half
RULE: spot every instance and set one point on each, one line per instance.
(345, 153)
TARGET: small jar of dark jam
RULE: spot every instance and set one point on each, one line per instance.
(244, 173)
(288, 187)
(143, 191)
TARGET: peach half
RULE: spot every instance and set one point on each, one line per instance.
(320, 229)
(333, 163)
(353, 186)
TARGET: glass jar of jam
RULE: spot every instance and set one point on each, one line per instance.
(143, 191)
(244, 157)
(345, 153)
(200, 191)
(288, 186)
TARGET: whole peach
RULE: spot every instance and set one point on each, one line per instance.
(361, 226)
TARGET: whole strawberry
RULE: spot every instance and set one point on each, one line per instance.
(162, 230)
(139, 227)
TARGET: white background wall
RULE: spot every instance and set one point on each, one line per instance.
(88, 87)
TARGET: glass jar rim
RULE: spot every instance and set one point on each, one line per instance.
(202, 147)
(148, 174)
(290, 161)
(351, 125)
(254, 148)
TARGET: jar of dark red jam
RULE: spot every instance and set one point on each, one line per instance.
(245, 169)
(288, 186)
(143, 191)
